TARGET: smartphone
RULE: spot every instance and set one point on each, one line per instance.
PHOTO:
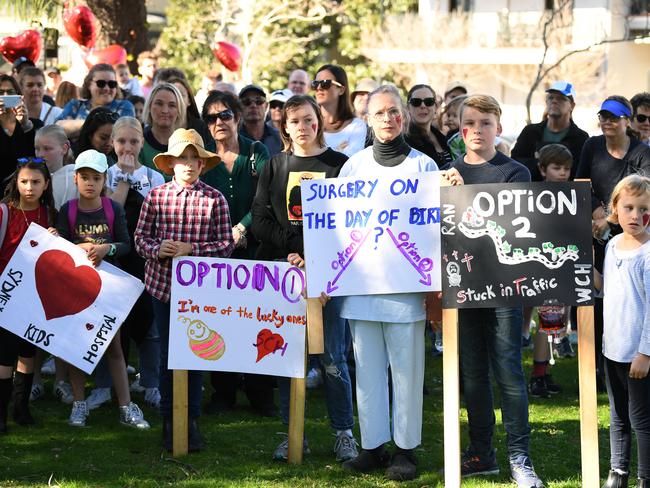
(10, 101)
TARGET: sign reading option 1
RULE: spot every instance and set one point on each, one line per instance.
(516, 244)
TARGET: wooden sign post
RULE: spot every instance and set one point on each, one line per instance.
(179, 414)
(451, 396)
(298, 385)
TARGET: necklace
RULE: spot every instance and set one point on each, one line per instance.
(38, 216)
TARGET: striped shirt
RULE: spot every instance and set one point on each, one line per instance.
(197, 214)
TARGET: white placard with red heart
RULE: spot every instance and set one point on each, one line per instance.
(236, 315)
(51, 296)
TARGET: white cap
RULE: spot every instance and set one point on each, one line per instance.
(281, 95)
(563, 87)
(91, 159)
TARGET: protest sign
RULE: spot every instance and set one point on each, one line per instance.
(236, 315)
(51, 296)
(372, 236)
(516, 244)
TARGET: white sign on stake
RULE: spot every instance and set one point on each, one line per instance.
(237, 315)
(367, 237)
(51, 296)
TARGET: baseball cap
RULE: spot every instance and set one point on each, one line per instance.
(563, 87)
(615, 107)
(254, 88)
(52, 70)
(22, 60)
(281, 95)
(91, 159)
(365, 85)
(456, 85)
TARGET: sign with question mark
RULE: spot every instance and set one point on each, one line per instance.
(372, 236)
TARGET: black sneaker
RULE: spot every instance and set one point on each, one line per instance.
(368, 461)
(551, 387)
(402, 466)
(563, 349)
(472, 465)
(537, 387)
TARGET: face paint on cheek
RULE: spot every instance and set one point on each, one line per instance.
(646, 218)
(465, 130)
(398, 120)
(314, 127)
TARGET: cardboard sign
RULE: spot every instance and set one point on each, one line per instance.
(366, 237)
(516, 244)
(236, 315)
(52, 296)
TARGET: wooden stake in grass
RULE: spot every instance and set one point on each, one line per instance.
(451, 397)
(298, 385)
(179, 414)
(588, 398)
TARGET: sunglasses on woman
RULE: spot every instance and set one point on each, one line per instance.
(112, 84)
(22, 161)
(276, 104)
(429, 101)
(224, 115)
(324, 84)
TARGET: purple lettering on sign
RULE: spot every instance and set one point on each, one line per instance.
(342, 264)
(290, 291)
(179, 272)
(409, 251)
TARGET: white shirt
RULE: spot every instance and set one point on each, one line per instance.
(51, 116)
(349, 140)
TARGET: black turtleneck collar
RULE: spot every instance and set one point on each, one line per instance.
(390, 153)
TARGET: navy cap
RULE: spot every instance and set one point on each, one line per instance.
(615, 107)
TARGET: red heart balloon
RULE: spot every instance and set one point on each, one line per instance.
(28, 44)
(113, 54)
(64, 288)
(267, 343)
(228, 54)
(81, 25)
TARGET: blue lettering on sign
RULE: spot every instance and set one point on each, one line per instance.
(351, 189)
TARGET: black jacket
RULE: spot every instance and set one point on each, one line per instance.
(530, 141)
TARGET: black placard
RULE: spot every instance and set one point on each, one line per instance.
(516, 244)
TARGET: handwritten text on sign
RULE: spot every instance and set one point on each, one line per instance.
(51, 296)
(235, 315)
(516, 244)
(376, 236)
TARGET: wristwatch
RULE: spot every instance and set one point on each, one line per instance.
(112, 250)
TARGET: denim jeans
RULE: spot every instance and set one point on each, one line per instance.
(194, 378)
(490, 339)
(338, 387)
(629, 408)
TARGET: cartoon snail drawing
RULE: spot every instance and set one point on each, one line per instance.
(204, 342)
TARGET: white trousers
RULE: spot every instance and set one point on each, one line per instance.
(378, 345)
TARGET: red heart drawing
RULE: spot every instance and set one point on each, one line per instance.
(63, 287)
(33, 243)
(89, 326)
(267, 343)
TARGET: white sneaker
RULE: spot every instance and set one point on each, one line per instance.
(152, 397)
(132, 416)
(48, 367)
(38, 391)
(98, 397)
(79, 414)
(314, 378)
(63, 391)
(135, 386)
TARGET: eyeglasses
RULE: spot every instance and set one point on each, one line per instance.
(247, 102)
(610, 117)
(112, 84)
(324, 84)
(276, 104)
(22, 161)
(429, 101)
(224, 115)
(640, 118)
(8, 91)
(393, 113)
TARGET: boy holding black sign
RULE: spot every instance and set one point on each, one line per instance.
(492, 335)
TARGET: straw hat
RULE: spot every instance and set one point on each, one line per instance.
(179, 140)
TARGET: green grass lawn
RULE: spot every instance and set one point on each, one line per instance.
(240, 444)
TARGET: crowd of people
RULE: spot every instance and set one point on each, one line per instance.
(137, 171)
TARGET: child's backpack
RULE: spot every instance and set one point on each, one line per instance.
(73, 209)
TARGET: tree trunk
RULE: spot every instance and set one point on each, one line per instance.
(123, 22)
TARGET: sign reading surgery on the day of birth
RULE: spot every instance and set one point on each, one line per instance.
(236, 315)
(52, 296)
(372, 236)
(516, 244)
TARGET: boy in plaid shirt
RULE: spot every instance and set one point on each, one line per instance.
(184, 217)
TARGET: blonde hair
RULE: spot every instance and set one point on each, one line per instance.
(182, 108)
(57, 133)
(483, 103)
(635, 185)
(128, 123)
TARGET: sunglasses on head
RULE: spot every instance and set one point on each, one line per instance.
(103, 116)
(112, 84)
(429, 101)
(224, 115)
(247, 102)
(22, 161)
(324, 84)
(640, 118)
